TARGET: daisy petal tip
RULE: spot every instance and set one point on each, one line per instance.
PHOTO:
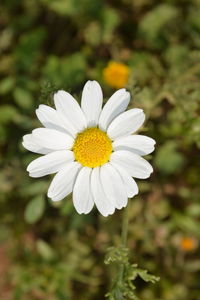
(122, 90)
(81, 212)
(133, 194)
(110, 213)
(121, 207)
(33, 175)
(150, 172)
(55, 200)
(92, 82)
(54, 94)
(125, 94)
(93, 86)
(49, 194)
(105, 215)
(23, 144)
(141, 111)
(26, 136)
(88, 83)
(34, 131)
(78, 211)
(58, 93)
(96, 82)
(39, 110)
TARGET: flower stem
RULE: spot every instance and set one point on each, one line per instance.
(124, 234)
(125, 222)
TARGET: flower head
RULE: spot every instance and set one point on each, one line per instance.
(91, 150)
(188, 244)
(116, 74)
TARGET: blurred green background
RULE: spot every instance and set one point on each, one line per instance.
(49, 251)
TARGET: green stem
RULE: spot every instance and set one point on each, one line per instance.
(125, 222)
(124, 234)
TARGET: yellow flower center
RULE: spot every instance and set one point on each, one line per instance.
(92, 147)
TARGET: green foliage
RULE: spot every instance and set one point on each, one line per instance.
(6, 85)
(68, 71)
(123, 286)
(154, 25)
(168, 159)
(23, 98)
(8, 113)
(47, 250)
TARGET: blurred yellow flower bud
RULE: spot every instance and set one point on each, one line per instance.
(188, 244)
(116, 74)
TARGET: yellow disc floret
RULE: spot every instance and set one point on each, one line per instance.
(92, 147)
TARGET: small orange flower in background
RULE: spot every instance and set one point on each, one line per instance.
(116, 74)
(188, 244)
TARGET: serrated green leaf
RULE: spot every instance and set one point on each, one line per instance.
(146, 276)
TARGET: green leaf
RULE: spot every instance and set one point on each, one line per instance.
(23, 98)
(146, 276)
(93, 33)
(118, 254)
(34, 209)
(6, 85)
(168, 159)
(45, 250)
(110, 19)
(8, 113)
(186, 223)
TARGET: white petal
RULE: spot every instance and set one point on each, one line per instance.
(50, 163)
(30, 144)
(52, 139)
(126, 123)
(135, 165)
(113, 186)
(129, 182)
(82, 195)
(91, 102)
(139, 144)
(67, 106)
(104, 205)
(117, 103)
(50, 118)
(63, 182)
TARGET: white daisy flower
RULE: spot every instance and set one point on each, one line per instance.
(92, 150)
